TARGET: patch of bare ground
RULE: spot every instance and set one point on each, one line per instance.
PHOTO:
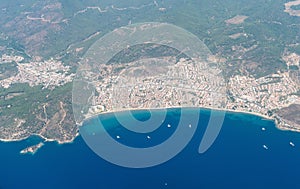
(289, 8)
(238, 19)
(236, 35)
(291, 116)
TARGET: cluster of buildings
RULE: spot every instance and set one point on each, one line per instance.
(139, 85)
(156, 84)
(261, 95)
(8, 58)
(48, 73)
(292, 59)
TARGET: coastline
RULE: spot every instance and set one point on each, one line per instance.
(230, 111)
(41, 137)
(174, 107)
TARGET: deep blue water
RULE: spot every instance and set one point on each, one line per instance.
(236, 160)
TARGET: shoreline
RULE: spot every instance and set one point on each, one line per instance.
(273, 119)
(41, 137)
(174, 107)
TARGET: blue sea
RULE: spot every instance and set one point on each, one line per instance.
(237, 159)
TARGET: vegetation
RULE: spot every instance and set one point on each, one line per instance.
(256, 50)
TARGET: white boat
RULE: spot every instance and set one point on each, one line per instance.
(263, 129)
(292, 144)
(169, 125)
(265, 147)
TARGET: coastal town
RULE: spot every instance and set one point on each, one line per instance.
(155, 83)
(144, 85)
(264, 96)
(165, 83)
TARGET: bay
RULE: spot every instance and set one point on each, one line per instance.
(237, 159)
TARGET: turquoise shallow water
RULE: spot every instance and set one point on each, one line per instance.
(236, 160)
